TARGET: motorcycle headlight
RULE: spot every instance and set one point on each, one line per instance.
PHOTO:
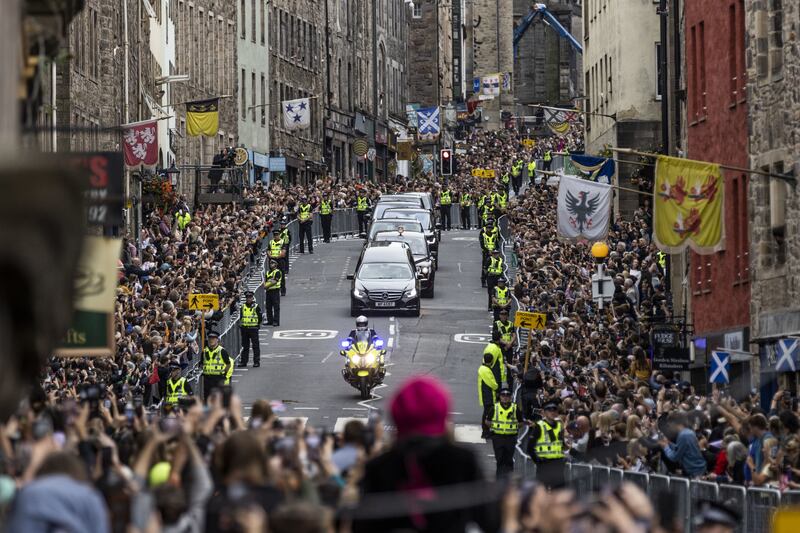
(356, 360)
(411, 293)
(358, 293)
(369, 358)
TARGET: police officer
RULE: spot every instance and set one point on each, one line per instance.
(217, 365)
(177, 386)
(546, 447)
(508, 335)
(516, 174)
(326, 216)
(305, 220)
(500, 200)
(497, 364)
(273, 285)
(505, 180)
(488, 240)
(445, 203)
(501, 298)
(466, 204)
(494, 271)
(504, 422)
(249, 324)
(531, 171)
(362, 206)
(277, 253)
(548, 158)
(487, 388)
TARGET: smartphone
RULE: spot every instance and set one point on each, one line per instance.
(227, 390)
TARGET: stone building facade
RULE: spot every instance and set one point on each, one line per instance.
(773, 75)
(547, 69)
(493, 52)
(430, 51)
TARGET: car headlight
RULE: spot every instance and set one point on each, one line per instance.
(411, 293)
(369, 358)
(358, 293)
(425, 270)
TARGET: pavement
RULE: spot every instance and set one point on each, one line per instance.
(300, 361)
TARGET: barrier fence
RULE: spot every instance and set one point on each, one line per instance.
(756, 505)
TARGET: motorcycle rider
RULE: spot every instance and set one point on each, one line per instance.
(362, 324)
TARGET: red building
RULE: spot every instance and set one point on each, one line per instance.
(717, 131)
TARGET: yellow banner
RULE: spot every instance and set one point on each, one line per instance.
(528, 143)
(202, 117)
(483, 172)
(688, 206)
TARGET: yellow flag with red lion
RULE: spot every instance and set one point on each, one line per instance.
(688, 206)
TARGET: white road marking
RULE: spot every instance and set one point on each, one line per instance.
(468, 433)
(472, 338)
(391, 319)
(306, 408)
(391, 342)
(234, 381)
(342, 422)
(391, 329)
(328, 356)
(354, 409)
(459, 269)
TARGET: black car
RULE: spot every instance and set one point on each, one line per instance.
(431, 229)
(385, 280)
(423, 259)
(392, 224)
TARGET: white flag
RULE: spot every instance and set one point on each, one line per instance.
(296, 114)
(491, 84)
(584, 208)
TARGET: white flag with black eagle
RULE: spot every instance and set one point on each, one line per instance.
(584, 209)
(296, 114)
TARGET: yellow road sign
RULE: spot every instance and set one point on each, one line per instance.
(203, 302)
(528, 143)
(787, 520)
(529, 320)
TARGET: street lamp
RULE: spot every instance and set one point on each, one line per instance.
(602, 285)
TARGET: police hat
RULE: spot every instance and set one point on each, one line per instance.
(501, 280)
(504, 311)
(174, 366)
(504, 390)
(550, 406)
(714, 513)
(276, 231)
(212, 334)
(249, 293)
(273, 262)
(496, 251)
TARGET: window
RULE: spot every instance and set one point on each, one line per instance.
(733, 51)
(253, 20)
(243, 18)
(776, 39)
(253, 95)
(263, 11)
(698, 72)
(777, 216)
(417, 10)
(243, 91)
(659, 72)
(263, 100)
(702, 70)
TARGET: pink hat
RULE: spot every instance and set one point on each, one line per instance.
(420, 407)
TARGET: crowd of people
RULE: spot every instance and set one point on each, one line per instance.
(90, 451)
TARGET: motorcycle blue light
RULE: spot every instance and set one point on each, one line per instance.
(345, 344)
(379, 343)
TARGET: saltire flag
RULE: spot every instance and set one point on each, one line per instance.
(140, 144)
(558, 120)
(599, 169)
(202, 117)
(720, 370)
(491, 84)
(296, 114)
(786, 352)
(688, 206)
(584, 208)
(428, 122)
(507, 81)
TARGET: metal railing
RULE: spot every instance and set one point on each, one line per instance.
(756, 505)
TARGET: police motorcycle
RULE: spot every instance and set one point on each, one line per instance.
(364, 368)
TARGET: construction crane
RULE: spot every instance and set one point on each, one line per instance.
(540, 11)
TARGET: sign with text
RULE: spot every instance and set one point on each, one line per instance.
(483, 172)
(105, 198)
(672, 358)
(528, 143)
(530, 320)
(203, 302)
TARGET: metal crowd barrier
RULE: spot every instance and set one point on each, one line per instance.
(757, 505)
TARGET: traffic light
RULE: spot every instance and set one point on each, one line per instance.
(446, 161)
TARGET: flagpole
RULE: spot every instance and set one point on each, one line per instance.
(132, 124)
(789, 179)
(551, 173)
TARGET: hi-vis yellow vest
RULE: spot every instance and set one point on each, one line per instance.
(548, 445)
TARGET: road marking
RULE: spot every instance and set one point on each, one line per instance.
(455, 413)
(283, 356)
(472, 338)
(234, 381)
(327, 356)
(306, 408)
(459, 269)
(305, 334)
(468, 433)
(354, 409)
(342, 422)
(391, 342)
(391, 329)
(391, 319)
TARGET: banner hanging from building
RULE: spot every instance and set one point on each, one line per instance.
(584, 209)
(491, 84)
(688, 206)
(429, 124)
(296, 114)
(507, 80)
(202, 117)
(140, 144)
(558, 120)
(599, 169)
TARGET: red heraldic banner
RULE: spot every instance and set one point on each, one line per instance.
(140, 144)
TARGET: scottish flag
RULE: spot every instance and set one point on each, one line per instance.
(786, 355)
(720, 368)
(428, 122)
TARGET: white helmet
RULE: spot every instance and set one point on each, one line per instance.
(362, 322)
